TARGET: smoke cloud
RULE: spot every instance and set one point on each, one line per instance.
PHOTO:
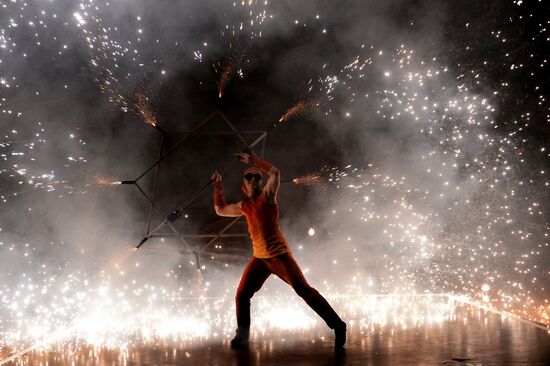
(430, 168)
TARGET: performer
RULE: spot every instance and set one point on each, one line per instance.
(271, 253)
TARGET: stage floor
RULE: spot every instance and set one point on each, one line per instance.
(416, 331)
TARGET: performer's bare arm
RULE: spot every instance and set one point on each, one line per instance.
(229, 210)
(273, 182)
(221, 207)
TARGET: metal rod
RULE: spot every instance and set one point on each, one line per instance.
(262, 151)
(214, 133)
(174, 230)
(180, 237)
(227, 227)
(175, 146)
(202, 236)
(154, 187)
(235, 131)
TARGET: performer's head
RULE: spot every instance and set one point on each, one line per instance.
(252, 181)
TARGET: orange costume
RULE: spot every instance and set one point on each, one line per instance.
(263, 225)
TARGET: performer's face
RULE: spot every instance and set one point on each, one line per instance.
(252, 182)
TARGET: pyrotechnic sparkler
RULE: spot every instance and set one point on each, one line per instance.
(234, 64)
(299, 107)
(103, 181)
(308, 180)
(325, 177)
(143, 109)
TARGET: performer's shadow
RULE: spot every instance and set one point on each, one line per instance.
(257, 354)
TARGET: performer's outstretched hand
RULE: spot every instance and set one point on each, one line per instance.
(243, 157)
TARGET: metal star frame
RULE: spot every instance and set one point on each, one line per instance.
(155, 169)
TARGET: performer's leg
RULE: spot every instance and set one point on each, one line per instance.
(288, 270)
(252, 280)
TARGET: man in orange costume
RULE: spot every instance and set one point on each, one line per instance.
(271, 253)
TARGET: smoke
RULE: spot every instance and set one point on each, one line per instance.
(427, 136)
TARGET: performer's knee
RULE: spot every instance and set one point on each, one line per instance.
(243, 296)
(304, 290)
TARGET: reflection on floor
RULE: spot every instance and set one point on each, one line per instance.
(382, 330)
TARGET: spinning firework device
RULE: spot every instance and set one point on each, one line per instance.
(176, 213)
(164, 153)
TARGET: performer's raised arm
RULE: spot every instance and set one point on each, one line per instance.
(220, 205)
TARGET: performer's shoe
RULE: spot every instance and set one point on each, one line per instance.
(340, 336)
(240, 340)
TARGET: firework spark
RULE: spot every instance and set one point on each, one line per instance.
(308, 180)
(232, 65)
(103, 181)
(301, 106)
(143, 109)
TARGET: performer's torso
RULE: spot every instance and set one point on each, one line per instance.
(263, 225)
